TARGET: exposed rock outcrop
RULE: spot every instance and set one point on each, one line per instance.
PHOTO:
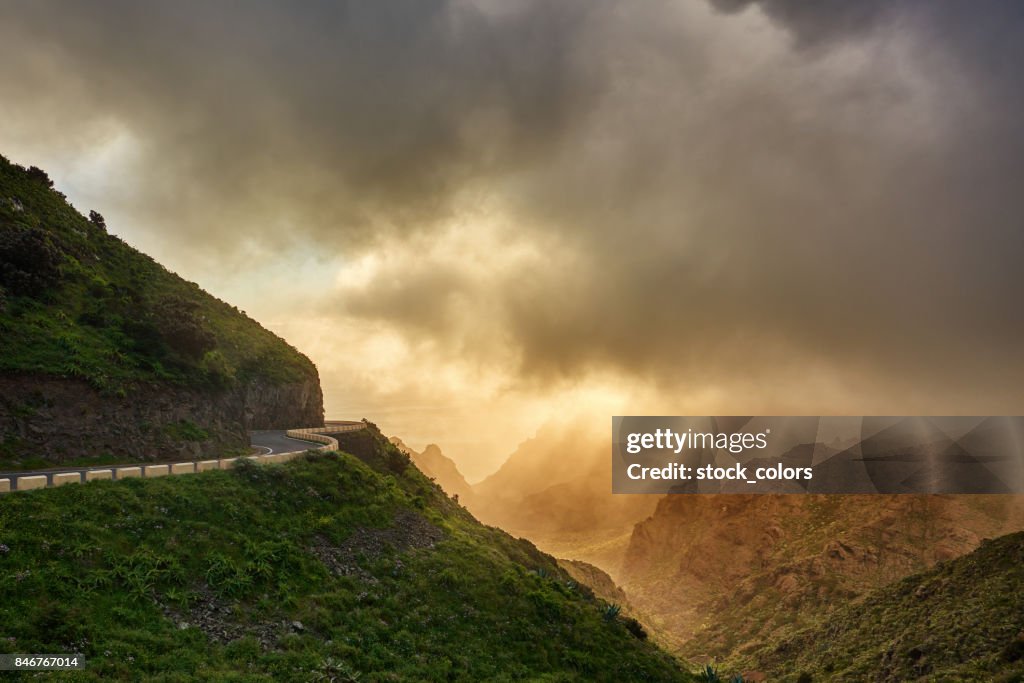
(598, 580)
(722, 572)
(53, 419)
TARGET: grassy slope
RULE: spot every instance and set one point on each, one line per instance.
(92, 323)
(116, 570)
(960, 621)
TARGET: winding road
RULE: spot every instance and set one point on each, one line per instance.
(276, 441)
(267, 442)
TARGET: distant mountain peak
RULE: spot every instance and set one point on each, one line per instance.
(436, 465)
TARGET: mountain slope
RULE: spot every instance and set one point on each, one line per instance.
(960, 621)
(554, 489)
(104, 351)
(598, 580)
(435, 464)
(790, 559)
(335, 567)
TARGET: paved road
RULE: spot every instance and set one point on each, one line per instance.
(275, 441)
(269, 441)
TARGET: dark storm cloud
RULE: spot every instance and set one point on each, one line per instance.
(343, 117)
(716, 197)
(816, 21)
(867, 218)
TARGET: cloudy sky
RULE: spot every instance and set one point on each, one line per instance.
(477, 217)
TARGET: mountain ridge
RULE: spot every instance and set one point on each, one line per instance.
(435, 464)
(554, 488)
(791, 558)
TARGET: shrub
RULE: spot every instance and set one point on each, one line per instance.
(182, 329)
(144, 337)
(395, 461)
(636, 628)
(97, 219)
(709, 674)
(183, 430)
(217, 368)
(39, 175)
(29, 261)
(1014, 652)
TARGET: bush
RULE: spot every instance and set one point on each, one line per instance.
(1014, 652)
(396, 461)
(96, 218)
(184, 430)
(636, 628)
(709, 674)
(144, 336)
(39, 175)
(29, 261)
(182, 329)
(217, 368)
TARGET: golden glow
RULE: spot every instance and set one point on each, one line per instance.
(652, 208)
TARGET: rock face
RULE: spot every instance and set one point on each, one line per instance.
(58, 419)
(599, 581)
(721, 573)
(280, 406)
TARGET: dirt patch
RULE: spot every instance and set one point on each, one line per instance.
(408, 531)
(218, 619)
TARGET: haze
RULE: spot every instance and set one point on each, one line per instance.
(481, 217)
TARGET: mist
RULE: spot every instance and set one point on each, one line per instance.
(479, 218)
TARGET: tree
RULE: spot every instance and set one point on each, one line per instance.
(36, 173)
(96, 218)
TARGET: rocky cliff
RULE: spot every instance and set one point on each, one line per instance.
(47, 420)
(720, 574)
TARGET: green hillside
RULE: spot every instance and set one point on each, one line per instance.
(332, 568)
(961, 621)
(77, 302)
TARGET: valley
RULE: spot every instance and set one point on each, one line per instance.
(718, 577)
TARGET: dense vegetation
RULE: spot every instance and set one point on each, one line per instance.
(333, 567)
(78, 302)
(960, 621)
